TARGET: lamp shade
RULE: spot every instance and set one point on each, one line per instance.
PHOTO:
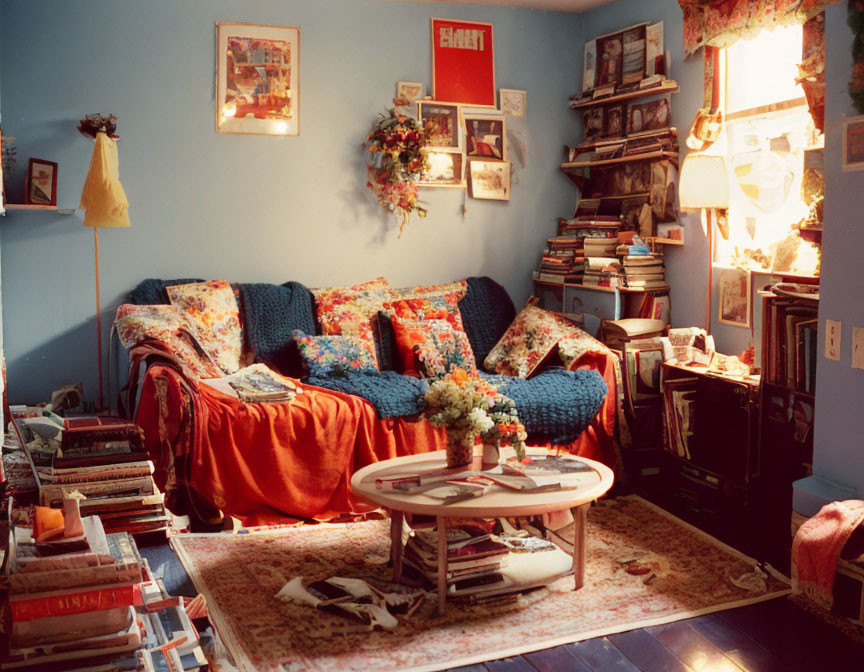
(704, 182)
(103, 198)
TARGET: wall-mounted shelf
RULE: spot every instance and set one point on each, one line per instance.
(597, 288)
(666, 241)
(39, 208)
(648, 156)
(669, 86)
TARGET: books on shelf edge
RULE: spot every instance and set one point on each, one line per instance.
(29, 606)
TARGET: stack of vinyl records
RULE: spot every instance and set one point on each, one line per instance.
(72, 598)
(645, 271)
(102, 459)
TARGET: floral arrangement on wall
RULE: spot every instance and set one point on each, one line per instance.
(397, 148)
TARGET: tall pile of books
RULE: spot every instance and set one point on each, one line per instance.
(645, 271)
(601, 265)
(104, 460)
(562, 260)
(72, 600)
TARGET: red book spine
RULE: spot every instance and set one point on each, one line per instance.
(72, 603)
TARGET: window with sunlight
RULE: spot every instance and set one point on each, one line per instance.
(769, 138)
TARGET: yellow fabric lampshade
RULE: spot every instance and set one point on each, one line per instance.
(103, 199)
(704, 182)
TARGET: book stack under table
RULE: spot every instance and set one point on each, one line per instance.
(88, 601)
(102, 459)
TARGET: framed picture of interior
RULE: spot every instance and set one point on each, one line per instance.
(512, 102)
(485, 136)
(409, 93)
(463, 62)
(446, 121)
(41, 187)
(490, 180)
(734, 303)
(853, 143)
(446, 169)
(258, 83)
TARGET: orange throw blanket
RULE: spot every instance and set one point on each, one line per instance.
(817, 548)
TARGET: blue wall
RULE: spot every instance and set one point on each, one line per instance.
(840, 388)
(249, 208)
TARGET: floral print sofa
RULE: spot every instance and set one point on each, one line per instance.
(263, 462)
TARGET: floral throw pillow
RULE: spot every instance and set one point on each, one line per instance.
(163, 324)
(528, 341)
(443, 307)
(431, 347)
(349, 310)
(211, 308)
(454, 291)
(325, 355)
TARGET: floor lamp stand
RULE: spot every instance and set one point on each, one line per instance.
(98, 321)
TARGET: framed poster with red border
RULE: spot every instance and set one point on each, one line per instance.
(463, 62)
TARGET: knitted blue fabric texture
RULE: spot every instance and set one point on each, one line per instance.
(271, 313)
(556, 405)
(151, 292)
(392, 394)
(487, 310)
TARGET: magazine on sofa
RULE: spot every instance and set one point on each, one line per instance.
(256, 383)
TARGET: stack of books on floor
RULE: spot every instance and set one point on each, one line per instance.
(474, 561)
(72, 597)
(562, 261)
(644, 271)
(102, 459)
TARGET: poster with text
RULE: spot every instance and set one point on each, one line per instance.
(463, 62)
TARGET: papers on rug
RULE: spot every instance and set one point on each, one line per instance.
(256, 383)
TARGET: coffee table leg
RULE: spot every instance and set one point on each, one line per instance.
(442, 564)
(580, 514)
(396, 549)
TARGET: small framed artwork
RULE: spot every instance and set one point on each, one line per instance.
(463, 62)
(853, 143)
(651, 116)
(446, 169)
(446, 123)
(734, 303)
(490, 180)
(610, 53)
(258, 83)
(41, 183)
(408, 93)
(485, 137)
(593, 123)
(614, 122)
(512, 102)
(633, 60)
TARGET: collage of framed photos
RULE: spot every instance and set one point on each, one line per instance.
(467, 147)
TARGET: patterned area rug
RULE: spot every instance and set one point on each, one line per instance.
(689, 573)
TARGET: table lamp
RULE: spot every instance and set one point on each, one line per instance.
(705, 186)
(105, 205)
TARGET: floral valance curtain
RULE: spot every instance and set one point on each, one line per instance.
(721, 23)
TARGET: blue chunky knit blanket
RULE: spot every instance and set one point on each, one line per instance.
(392, 394)
(556, 405)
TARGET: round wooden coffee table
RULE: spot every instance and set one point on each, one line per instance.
(497, 502)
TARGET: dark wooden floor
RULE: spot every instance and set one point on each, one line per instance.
(773, 636)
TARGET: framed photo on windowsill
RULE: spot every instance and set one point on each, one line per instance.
(41, 183)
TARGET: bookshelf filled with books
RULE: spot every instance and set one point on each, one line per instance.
(607, 260)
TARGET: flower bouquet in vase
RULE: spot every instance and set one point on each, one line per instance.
(460, 403)
(506, 430)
